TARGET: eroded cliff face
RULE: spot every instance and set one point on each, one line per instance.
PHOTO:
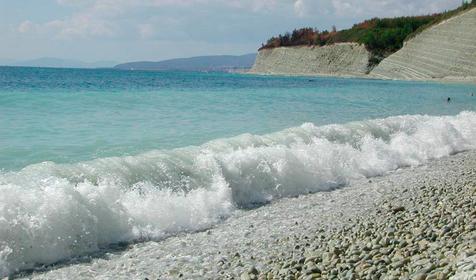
(444, 51)
(344, 59)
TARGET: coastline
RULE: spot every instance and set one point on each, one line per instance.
(347, 59)
(447, 80)
(423, 218)
(340, 154)
(424, 57)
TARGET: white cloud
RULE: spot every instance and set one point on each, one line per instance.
(347, 8)
(263, 5)
(146, 30)
(26, 26)
(74, 2)
(116, 18)
(77, 26)
(300, 8)
(101, 18)
(370, 8)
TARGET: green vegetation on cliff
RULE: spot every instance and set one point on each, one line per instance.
(381, 37)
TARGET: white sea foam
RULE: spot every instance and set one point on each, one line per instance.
(50, 212)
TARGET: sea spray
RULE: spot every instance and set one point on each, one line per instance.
(50, 212)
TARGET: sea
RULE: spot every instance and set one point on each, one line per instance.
(93, 158)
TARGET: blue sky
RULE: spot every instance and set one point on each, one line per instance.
(127, 30)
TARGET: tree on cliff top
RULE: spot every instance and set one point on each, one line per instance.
(381, 36)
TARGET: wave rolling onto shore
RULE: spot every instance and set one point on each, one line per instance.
(56, 211)
(328, 154)
(89, 166)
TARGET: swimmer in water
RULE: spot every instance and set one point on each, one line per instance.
(448, 100)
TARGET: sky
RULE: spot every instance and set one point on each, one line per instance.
(131, 30)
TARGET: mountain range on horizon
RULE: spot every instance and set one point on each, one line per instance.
(197, 63)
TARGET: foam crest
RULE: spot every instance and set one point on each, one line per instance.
(50, 212)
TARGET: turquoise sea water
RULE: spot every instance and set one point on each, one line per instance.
(91, 158)
(72, 115)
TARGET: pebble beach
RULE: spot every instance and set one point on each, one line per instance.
(414, 223)
(425, 232)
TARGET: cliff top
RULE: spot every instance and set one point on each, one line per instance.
(381, 36)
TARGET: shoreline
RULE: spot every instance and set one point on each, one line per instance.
(447, 80)
(307, 235)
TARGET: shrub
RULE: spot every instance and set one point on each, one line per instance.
(380, 36)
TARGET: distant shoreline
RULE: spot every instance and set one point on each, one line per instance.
(448, 80)
(246, 71)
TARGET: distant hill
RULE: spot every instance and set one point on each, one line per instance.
(199, 63)
(58, 63)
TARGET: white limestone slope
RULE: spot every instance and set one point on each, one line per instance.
(445, 51)
(344, 59)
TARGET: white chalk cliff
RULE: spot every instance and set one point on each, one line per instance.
(349, 59)
(444, 51)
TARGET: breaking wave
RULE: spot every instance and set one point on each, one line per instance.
(51, 212)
